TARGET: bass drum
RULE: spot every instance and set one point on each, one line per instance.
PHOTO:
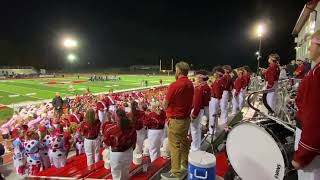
(260, 150)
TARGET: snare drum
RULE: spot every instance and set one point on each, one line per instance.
(260, 150)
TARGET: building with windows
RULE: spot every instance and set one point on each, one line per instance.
(306, 25)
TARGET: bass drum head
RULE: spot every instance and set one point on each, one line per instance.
(254, 154)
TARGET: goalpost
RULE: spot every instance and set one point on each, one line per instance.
(166, 70)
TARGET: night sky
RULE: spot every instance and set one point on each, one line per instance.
(122, 33)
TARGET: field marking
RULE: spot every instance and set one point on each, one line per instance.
(30, 94)
(20, 94)
(35, 89)
(14, 95)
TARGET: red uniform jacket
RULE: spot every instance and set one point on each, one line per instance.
(90, 131)
(140, 119)
(154, 120)
(102, 105)
(197, 103)
(110, 100)
(217, 89)
(246, 78)
(309, 144)
(119, 139)
(207, 94)
(227, 82)
(299, 72)
(272, 74)
(67, 138)
(74, 118)
(238, 85)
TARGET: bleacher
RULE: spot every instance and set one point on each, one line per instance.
(17, 70)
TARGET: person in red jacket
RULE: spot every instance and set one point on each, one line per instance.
(299, 72)
(102, 108)
(90, 130)
(75, 116)
(155, 122)
(197, 111)
(137, 117)
(207, 96)
(306, 157)
(236, 93)
(271, 76)
(217, 88)
(121, 137)
(227, 86)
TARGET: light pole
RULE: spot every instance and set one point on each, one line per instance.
(260, 31)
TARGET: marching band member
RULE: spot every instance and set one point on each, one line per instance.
(271, 76)
(216, 94)
(237, 87)
(137, 117)
(227, 83)
(90, 129)
(197, 112)
(75, 116)
(121, 137)
(306, 157)
(299, 72)
(155, 122)
(102, 107)
(207, 96)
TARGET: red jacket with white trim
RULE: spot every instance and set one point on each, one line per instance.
(272, 74)
(309, 144)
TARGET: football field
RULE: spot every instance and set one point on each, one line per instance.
(28, 90)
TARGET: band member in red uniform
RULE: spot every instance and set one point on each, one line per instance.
(121, 137)
(239, 84)
(137, 116)
(207, 96)
(306, 157)
(197, 111)
(90, 129)
(299, 72)
(227, 83)
(155, 122)
(102, 108)
(271, 76)
(75, 117)
(217, 88)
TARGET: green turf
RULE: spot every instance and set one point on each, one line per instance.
(42, 90)
(5, 114)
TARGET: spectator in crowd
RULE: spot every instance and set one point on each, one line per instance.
(57, 103)
(291, 68)
(178, 105)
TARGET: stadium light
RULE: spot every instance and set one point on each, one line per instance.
(260, 30)
(70, 43)
(71, 58)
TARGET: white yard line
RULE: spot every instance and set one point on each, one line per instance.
(20, 94)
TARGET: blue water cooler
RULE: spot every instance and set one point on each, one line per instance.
(202, 166)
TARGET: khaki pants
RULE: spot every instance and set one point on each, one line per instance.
(179, 144)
